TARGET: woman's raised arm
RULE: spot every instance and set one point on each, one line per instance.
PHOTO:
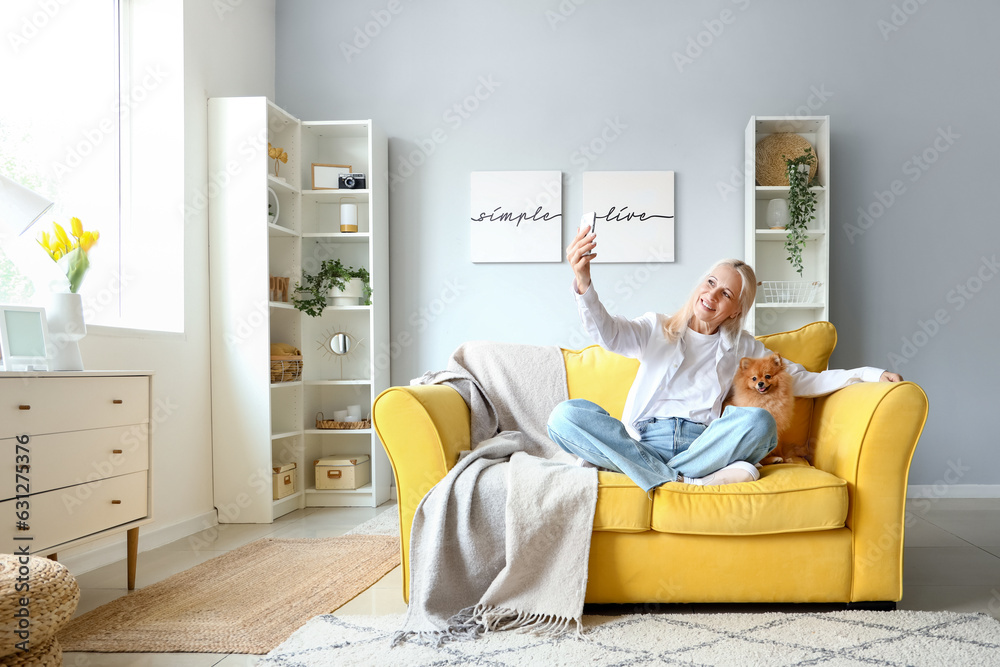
(580, 253)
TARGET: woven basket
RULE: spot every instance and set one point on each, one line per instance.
(54, 595)
(342, 426)
(771, 153)
(286, 368)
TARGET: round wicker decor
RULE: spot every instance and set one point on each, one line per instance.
(771, 153)
(53, 597)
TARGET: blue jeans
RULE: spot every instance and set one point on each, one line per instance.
(669, 446)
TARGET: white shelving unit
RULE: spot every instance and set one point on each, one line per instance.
(765, 248)
(258, 423)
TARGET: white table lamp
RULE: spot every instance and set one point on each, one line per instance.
(20, 208)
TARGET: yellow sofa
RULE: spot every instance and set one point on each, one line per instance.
(829, 533)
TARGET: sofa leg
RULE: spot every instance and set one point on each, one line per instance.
(877, 605)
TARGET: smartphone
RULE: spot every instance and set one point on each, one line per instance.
(589, 220)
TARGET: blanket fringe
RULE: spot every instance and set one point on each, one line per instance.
(498, 619)
(472, 622)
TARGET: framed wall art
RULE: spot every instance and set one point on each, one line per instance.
(635, 214)
(516, 216)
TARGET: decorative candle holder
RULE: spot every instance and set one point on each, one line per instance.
(348, 216)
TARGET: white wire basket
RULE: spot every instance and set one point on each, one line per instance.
(789, 291)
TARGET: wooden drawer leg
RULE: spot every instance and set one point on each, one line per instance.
(133, 554)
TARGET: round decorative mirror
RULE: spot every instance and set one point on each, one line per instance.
(340, 344)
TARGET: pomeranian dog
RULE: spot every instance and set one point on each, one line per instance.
(764, 383)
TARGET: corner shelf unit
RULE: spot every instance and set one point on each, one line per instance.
(257, 423)
(765, 248)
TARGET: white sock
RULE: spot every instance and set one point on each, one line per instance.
(734, 473)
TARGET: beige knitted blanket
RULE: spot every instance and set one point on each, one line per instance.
(503, 541)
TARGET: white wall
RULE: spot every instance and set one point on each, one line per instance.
(223, 48)
(573, 86)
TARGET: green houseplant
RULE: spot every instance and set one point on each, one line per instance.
(316, 288)
(801, 206)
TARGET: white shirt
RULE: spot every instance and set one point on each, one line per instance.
(683, 395)
(661, 359)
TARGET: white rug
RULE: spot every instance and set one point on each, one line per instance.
(386, 522)
(770, 639)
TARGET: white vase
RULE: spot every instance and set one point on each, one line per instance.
(351, 295)
(777, 213)
(64, 314)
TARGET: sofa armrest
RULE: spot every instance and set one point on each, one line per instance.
(866, 434)
(422, 428)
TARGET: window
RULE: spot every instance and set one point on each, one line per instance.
(77, 119)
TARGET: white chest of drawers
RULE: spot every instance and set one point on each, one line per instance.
(75, 459)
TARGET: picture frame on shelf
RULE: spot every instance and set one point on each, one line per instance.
(327, 176)
(24, 338)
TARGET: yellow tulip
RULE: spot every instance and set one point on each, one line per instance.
(76, 226)
(88, 240)
(57, 254)
(44, 242)
(61, 234)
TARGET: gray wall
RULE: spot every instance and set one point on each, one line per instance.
(572, 74)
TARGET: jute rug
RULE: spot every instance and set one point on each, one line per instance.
(246, 601)
(769, 639)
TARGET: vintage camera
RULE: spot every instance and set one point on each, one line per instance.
(352, 182)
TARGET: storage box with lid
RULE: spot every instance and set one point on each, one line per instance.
(350, 471)
(283, 480)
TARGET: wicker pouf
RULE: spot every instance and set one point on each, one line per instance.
(771, 153)
(52, 597)
(48, 654)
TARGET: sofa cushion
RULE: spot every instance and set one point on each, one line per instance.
(600, 376)
(810, 345)
(622, 507)
(788, 498)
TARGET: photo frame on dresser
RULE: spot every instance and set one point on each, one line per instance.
(24, 338)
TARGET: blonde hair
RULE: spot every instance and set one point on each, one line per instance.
(674, 326)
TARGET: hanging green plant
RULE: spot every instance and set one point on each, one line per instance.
(801, 206)
(316, 287)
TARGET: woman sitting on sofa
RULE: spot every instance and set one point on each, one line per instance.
(673, 428)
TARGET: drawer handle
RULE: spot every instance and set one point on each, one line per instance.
(117, 401)
(334, 474)
(116, 502)
(288, 479)
(116, 451)
(24, 407)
